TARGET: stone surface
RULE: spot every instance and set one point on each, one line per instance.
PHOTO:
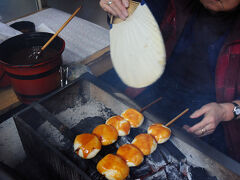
(11, 149)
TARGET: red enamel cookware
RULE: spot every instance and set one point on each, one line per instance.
(32, 79)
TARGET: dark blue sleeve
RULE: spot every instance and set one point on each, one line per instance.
(158, 8)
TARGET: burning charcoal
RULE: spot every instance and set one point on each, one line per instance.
(121, 141)
(173, 173)
(81, 163)
(97, 158)
(134, 132)
(156, 160)
(167, 155)
(87, 125)
(178, 155)
(140, 171)
(184, 168)
(198, 173)
(97, 176)
(159, 175)
(92, 171)
(110, 149)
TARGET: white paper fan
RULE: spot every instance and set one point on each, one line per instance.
(137, 48)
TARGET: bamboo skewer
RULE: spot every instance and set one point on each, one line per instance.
(170, 122)
(147, 106)
(60, 29)
(178, 116)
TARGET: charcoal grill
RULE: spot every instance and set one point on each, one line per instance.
(47, 129)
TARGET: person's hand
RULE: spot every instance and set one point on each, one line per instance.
(115, 7)
(213, 114)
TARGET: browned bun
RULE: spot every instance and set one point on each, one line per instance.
(106, 133)
(134, 117)
(87, 145)
(131, 154)
(113, 167)
(145, 142)
(121, 125)
(160, 132)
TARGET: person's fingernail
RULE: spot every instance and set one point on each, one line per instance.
(125, 13)
(126, 4)
(122, 17)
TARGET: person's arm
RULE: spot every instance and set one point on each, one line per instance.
(213, 113)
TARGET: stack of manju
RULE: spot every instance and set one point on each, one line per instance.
(116, 167)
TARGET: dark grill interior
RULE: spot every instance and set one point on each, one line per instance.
(54, 122)
(167, 162)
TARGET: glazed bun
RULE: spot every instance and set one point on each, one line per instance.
(106, 133)
(87, 145)
(134, 117)
(121, 125)
(131, 154)
(160, 132)
(113, 167)
(145, 142)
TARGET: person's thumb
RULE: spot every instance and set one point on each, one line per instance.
(125, 3)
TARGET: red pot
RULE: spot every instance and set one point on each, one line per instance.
(4, 79)
(32, 81)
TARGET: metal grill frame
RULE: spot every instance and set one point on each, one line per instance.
(49, 156)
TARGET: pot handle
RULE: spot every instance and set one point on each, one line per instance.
(64, 75)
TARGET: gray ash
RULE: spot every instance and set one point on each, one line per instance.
(86, 112)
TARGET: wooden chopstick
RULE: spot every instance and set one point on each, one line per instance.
(178, 116)
(60, 29)
(147, 106)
